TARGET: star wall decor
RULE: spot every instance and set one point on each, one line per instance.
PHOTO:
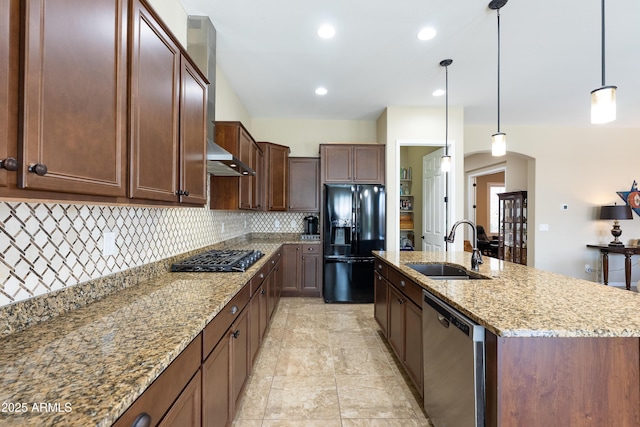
(631, 197)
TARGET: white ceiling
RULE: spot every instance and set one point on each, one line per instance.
(550, 53)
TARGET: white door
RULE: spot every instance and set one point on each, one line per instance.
(434, 209)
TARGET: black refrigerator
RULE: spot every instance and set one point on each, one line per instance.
(353, 226)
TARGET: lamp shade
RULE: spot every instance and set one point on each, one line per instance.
(445, 163)
(498, 144)
(616, 212)
(603, 105)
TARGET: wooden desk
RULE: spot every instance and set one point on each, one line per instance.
(627, 251)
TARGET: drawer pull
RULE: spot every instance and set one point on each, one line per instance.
(39, 169)
(9, 164)
(236, 334)
(234, 309)
(261, 275)
(142, 420)
(402, 283)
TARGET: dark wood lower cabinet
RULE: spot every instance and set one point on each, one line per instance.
(400, 317)
(216, 386)
(187, 409)
(302, 270)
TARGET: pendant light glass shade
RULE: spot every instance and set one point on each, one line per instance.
(498, 139)
(603, 99)
(603, 105)
(445, 163)
(499, 144)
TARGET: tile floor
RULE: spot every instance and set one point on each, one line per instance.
(326, 365)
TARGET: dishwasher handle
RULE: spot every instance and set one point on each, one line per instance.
(447, 315)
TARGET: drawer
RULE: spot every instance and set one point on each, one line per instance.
(275, 258)
(259, 277)
(407, 286)
(161, 394)
(219, 325)
(310, 249)
(381, 268)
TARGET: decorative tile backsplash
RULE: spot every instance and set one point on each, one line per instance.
(49, 246)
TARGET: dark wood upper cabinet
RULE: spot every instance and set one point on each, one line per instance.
(9, 74)
(155, 89)
(358, 163)
(193, 136)
(167, 116)
(304, 184)
(236, 192)
(73, 115)
(276, 172)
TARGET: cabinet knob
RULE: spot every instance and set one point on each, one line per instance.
(142, 420)
(234, 309)
(182, 193)
(261, 276)
(39, 169)
(9, 164)
(263, 291)
(236, 334)
(402, 283)
(400, 301)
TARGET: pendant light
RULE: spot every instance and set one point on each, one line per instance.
(603, 99)
(445, 161)
(498, 139)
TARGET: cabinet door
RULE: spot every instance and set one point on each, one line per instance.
(396, 321)
(75, 97)
(304, 184)
(413, 343)
(186, 411)
(278, 173)
(9, 62)
(291, 269)
(216, 386)
(193, 135)
(240, 353)
(368, 164)
(246, 155)
(336, 163)
(380, 309)
(311, 270)
(155, 77)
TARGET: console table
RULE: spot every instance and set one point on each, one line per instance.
(627, 251)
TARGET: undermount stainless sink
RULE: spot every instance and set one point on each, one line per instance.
(441, 271)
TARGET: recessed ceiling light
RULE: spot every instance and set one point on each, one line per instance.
(321, 91)
(326, 31)
(438, 92)
(426, 33)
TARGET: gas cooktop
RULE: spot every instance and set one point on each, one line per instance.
(226, 260)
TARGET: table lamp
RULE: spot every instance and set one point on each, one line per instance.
(616, 212)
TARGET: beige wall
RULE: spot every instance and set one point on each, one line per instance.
(422, 126)
(174, 16)
(304, 136)
(580, 167)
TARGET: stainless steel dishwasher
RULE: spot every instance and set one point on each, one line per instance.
(454, 379)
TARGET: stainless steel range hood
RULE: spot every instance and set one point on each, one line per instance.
(222, 163)
(201, 46)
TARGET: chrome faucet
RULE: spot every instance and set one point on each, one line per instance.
(476, 256)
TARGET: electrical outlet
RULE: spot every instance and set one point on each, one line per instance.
(222, 227)
(276, 223)
(109, 243)
(587, 269)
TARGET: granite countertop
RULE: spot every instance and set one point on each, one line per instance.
(521, 301)
(90, 364)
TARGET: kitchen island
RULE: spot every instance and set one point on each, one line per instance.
(559, 351)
